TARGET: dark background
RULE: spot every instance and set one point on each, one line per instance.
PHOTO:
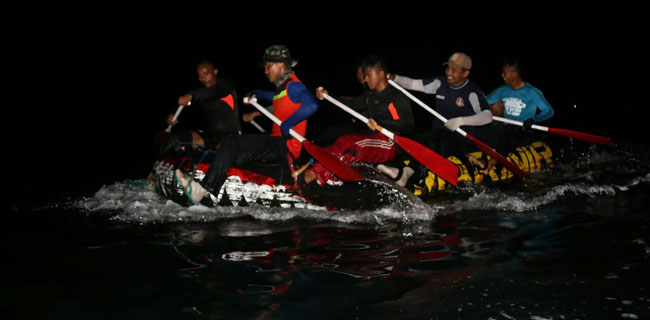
(93, 92)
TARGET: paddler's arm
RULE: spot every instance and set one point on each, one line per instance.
(259, 95)
(298, 93)
(495, 101)
(401, 118)
(483, 114)
(546, 111)
(429, 86)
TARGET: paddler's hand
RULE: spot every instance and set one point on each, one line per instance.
(455, 123)
(320, 93)
(372, 124)
(528, 124)
(497, 108)
(390, 76)
(185, 100)
(248, 117)
(170, 120)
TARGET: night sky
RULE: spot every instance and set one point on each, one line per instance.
(93, 101)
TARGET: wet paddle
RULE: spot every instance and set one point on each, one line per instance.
(339, 168)
(435, 162)
(495, 155)
(564, 132)
(162, 138)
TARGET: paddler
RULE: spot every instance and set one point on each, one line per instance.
(385, 107)
(459, 100)
(217, 100)
(292, 104)
(516, 100)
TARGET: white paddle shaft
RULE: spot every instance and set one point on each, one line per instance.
(256, 125)
(273, 118)
(357, 115)
(519, 123)
(423, 105)
(178, 112)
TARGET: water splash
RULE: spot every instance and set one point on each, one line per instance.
(596, 173)
(133, 203)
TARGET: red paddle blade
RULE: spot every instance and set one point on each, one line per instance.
(338, 167)
(435, 162)
(582, 136)
(496, 156)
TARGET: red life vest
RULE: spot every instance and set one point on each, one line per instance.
(283, 108)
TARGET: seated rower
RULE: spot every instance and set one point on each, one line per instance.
(292, 104)
(459, 100)
(516, 100)
(385, 106)
(217, 100)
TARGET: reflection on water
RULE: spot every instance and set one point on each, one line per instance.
(571, 243)
(293, 270)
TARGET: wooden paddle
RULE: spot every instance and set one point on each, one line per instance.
(495, 155)
(567, 133)
(435, 162)
(162, 138)
(339, 168)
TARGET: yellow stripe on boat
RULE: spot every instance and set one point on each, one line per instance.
(529, 158)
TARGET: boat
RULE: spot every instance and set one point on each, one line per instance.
(530, 158)
(271, 184)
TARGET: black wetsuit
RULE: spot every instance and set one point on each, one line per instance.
(221, 107)
(218, 117)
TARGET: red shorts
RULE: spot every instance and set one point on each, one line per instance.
(358, 147)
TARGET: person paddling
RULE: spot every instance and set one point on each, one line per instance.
(218, 100)
(385, 107)
(516, 100)
(292, 104)
(459, 100)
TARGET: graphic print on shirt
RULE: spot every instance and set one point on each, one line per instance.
(513, 106)
(460, 102)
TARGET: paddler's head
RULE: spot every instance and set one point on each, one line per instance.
(512, 72)
(374, 73)
(278, 63)
(458, 67)
(207, 73)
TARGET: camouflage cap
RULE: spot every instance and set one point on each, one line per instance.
(279, 53)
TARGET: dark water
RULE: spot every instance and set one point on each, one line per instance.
(571, 242)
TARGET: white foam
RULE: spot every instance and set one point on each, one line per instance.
(520, 202)
(141, 204)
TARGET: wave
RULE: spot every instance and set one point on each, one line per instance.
(489, 199)
(596, 174)
(134, 203)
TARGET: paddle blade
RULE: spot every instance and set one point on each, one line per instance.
(498, 157)
(430, 159)
(582, 136)
(338, 167)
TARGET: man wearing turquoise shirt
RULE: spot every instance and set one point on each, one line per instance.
(516, 100)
